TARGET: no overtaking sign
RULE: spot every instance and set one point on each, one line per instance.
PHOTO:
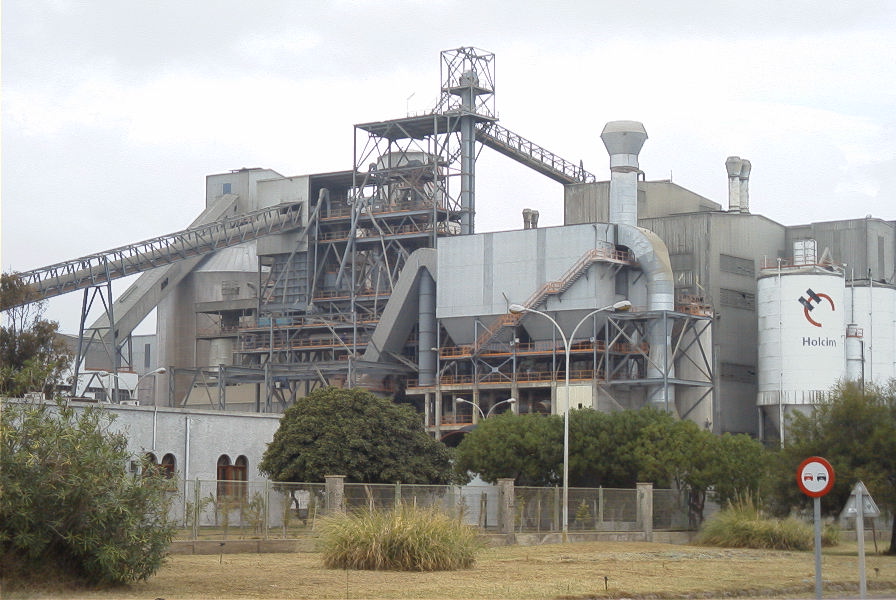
(815, 476)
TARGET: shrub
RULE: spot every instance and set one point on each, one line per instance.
(743, 525)
(68, 504)
(403, 539)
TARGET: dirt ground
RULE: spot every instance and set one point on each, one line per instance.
(572, 571)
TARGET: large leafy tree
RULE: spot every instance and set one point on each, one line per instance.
(855, 430)
(69, 508)
(527, 448)
(604, 448)
(33, 357)
(354, 433)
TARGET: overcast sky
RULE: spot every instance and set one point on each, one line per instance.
(114, 111)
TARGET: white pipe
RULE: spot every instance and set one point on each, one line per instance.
(745, 186)
(187, 450)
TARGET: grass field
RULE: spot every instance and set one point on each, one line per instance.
(571, 571)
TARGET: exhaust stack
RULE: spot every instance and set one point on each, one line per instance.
(623, 140)
(733, 165)
(738, 184)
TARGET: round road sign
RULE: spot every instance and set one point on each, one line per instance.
(815, 476)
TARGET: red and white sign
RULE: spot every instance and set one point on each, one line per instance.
(815, 476)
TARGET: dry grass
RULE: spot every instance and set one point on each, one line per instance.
(572, 571)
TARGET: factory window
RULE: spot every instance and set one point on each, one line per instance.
(736, 372)
(736, 265)
(682, 262)
(147, 356)
(226, 188)
(737, 299)
(621, 284)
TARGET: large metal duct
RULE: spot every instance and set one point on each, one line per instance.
(427, 326)
(623, 140)
(653, 256)
(469, 81)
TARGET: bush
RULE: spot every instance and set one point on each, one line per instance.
(743, 525)
(403, 539)
(68, 504)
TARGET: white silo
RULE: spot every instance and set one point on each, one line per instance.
(802, 324)
(871, 306)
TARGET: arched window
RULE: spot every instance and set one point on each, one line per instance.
(150, 463)
(232, 477)
(241, 469)
(224, 471)
(169, 465)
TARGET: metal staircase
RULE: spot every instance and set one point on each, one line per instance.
(532, 155)
(573, 274)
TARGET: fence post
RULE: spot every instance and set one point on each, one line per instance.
(335, 488)
(197, 492)
(267, 506)
(397, 502)
(555, 526)
(645, 510)
(505, 485)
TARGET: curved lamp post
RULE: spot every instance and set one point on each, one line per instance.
(519, 309)
(489, 413)
(133, 391)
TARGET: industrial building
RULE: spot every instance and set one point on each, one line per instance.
(375, 277)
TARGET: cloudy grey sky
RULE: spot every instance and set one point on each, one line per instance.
(115, 111)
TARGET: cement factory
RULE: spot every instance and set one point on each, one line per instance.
(375, 277)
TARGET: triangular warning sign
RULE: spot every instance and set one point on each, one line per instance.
(869, 508)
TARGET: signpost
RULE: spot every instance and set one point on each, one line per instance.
(861, 505)
(815, 477)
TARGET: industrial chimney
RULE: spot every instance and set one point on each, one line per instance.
(733, 165)
(623, 140)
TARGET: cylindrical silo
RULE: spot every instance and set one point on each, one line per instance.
(230, 274)
(872, 307)
(802, 326)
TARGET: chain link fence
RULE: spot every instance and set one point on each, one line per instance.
(213, 510)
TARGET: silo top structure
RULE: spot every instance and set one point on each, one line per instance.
(623, 140)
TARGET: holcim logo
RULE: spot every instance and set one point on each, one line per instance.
(808, 305)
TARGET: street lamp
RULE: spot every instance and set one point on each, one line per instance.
(517, 309)
(489, 413)
(118, 379)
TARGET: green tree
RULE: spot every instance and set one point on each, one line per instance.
(696, 461)
(604, 448)
(68, 506)
(528, 448)
(855, 430)
(33, 357)
(354, 433)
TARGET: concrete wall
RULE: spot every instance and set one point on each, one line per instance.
(196, 438)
